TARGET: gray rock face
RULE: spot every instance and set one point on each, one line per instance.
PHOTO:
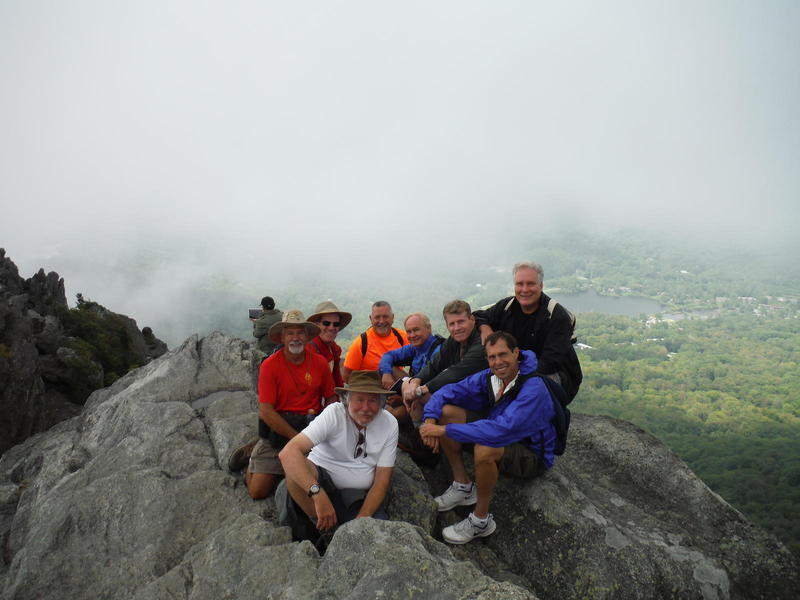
(45, 373)
(130, 499)
(27, 314)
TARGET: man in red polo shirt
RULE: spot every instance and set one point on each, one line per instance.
(291, 384)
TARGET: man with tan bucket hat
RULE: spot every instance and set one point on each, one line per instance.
(330, 321)
(291, 384)
(351, 450)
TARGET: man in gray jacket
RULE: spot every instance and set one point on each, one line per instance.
(269, 316)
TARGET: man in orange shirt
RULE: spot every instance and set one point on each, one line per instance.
(366, 350)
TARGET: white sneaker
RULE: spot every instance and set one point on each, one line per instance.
(455, 497)
(466, 530)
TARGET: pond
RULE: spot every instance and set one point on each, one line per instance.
(591, 301)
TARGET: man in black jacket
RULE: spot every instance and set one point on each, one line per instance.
(461, 355)
(538, 323)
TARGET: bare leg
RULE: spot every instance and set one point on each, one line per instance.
(452, 448)
(260, 485)
(486, 474)
(399, 412)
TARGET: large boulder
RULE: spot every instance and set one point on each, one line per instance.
(125, 497)
(131, 499)
(621, 516)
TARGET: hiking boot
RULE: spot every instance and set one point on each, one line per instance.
(453, 497)
(241, 457)
(467, 530)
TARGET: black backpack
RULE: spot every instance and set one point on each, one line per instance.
(365, 342)
(562, 415)
(437, 341)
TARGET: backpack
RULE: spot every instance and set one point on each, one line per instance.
(437, 341)
(365, 342)
(551, 306)
(561, 418)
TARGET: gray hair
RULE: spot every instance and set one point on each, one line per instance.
(426, 322)
(345, 398)
(380, 303)
(529, 264)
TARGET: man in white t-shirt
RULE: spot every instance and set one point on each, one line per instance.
(351, 449)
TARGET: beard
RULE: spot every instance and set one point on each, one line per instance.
(295, 347)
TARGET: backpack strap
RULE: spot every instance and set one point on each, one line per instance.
(364, 341)
(398, 336)
(551, 306)
(437, 341)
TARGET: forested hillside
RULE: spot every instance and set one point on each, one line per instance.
(724, 393)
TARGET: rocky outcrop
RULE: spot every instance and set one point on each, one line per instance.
(129, 499)
(51, 357)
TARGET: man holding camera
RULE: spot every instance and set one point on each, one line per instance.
(262, 324)
(291, 383)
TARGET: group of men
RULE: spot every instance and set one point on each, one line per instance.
(481, 386)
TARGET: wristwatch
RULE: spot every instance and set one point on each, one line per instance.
(313, 490)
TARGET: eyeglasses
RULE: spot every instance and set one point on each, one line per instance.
(360, 448)
(331, 323)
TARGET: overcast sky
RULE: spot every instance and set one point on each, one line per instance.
(375, 133)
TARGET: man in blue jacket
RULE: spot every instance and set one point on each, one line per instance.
(422, 347)
(509, 419)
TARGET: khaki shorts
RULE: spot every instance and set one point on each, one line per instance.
(521, 462)
(264, 459)
(518, 460)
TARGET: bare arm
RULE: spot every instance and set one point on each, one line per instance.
(387, 380)
(376, 494)
(431, 433)
(301, 472)
(346, 374)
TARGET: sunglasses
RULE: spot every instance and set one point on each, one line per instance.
(360, 449)
(331, 323)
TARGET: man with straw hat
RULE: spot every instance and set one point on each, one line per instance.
(351, 450)
(291, 384)
(330, 321)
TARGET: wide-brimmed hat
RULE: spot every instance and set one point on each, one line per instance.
(328, 307)
(292, 318)
(367, 382)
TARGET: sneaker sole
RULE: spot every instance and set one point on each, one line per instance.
(490, 529)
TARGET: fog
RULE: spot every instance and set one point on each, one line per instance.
(148, 148)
